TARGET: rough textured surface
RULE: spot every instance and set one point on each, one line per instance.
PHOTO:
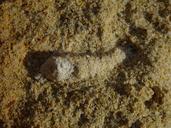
(134, 94)
(57, 69)
(78, 68)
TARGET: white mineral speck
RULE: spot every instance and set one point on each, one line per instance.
(57, 68)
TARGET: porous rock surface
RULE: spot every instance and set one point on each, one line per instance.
(134, 94)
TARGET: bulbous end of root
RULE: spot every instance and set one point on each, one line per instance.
(57, 69)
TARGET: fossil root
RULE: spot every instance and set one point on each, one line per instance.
(75, 68)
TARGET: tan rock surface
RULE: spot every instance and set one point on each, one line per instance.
(135, 93)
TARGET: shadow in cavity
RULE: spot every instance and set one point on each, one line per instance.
(131, 49)
(34, 60)
(2, 124)
(136, 60)
(2, 1)
(134, 53)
